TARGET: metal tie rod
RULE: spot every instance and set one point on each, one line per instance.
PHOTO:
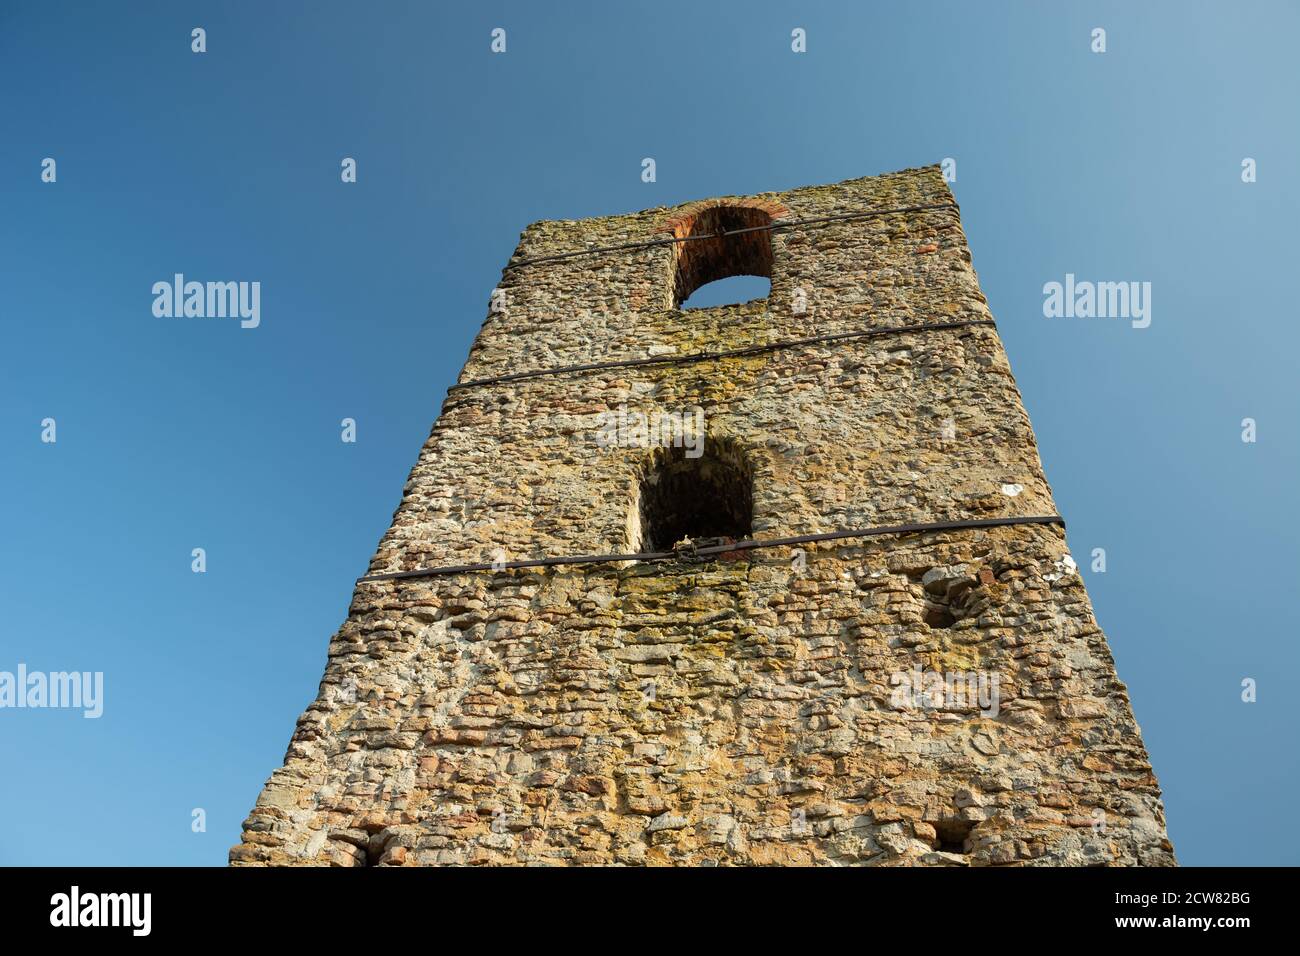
(746, 545)
(709, 356)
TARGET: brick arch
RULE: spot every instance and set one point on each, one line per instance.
(702, 261)
(678, 222)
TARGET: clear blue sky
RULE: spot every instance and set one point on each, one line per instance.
(174, 435)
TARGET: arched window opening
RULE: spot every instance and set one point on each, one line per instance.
(708, 499)
(737, 245)
(733, 290)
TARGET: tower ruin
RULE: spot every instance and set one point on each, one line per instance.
(779, 582)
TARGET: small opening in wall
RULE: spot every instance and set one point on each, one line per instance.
(948, 596)
(953, 835)
(374, 851)
(938, 615)
(705, 497)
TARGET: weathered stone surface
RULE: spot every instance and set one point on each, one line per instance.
(737, 711)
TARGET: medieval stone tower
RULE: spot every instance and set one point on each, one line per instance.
(690, 686)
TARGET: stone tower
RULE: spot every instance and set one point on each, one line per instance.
(691, 686)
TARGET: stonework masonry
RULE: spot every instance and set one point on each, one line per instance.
(743, 710)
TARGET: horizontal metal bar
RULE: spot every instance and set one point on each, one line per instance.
(711, 356)
(746, 545)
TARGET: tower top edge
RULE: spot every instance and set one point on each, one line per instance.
(930, 174)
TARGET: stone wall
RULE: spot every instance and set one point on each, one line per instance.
(742, 710)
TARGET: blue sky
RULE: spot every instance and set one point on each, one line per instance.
(174, 435)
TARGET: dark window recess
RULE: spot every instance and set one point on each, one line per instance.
(701, 261)
(706, 497)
